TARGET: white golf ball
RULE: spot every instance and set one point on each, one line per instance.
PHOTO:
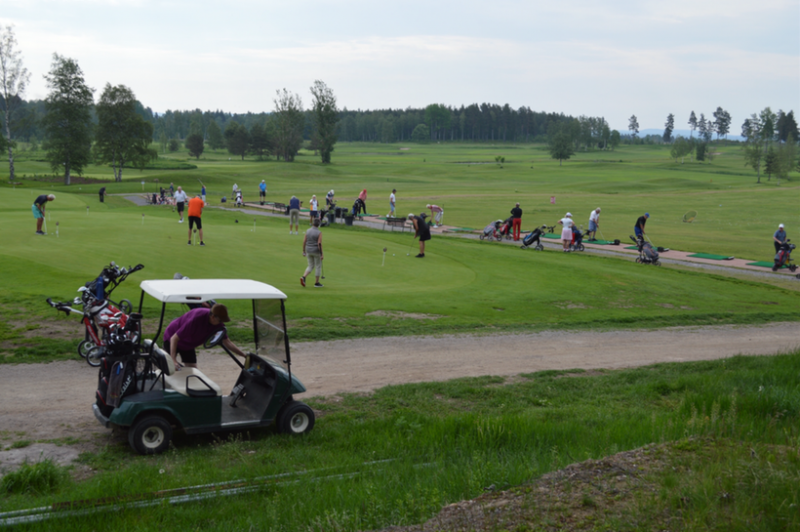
(392, 254)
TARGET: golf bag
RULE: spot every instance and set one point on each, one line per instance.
(784, 257)
(117, 374)
(239, 200)
(490, 231)
(577, 240)
(533, 239)
(505, 228)
(647, 255)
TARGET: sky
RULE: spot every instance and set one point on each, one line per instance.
(578, 57)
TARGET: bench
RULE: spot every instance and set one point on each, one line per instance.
(396, 222)
(279, 207)
(189, 381)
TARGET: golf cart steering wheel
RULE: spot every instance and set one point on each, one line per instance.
(216, 340)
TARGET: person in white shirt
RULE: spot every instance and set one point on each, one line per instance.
(594, 222)
(392, 201)
(313, 205)
(180, 202)
(566, 231)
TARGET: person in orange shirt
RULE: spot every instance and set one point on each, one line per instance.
(195, 211)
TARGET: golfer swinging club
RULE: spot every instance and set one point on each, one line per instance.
(38, 209)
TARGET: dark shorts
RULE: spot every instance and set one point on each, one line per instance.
(180, 206)
(195, 220)
(262, 193)
(188, 356)
(424, 237)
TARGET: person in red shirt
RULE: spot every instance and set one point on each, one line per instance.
(195, 211)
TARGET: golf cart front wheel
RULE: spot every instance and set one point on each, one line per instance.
(793, 268)
(84, 347)
(150, 435)
(657, 263)
(296, 418)
(481, 237)
(539, 248)
(580, 247)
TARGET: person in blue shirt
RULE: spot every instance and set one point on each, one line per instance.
(262, 191)
(203, 193)
(779, 237)
(294, 214)
(38, 208)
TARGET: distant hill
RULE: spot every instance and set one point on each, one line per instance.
(680, 133)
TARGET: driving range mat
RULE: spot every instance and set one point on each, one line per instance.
(600, 242)
(763, 264)
(709, 256)
(551, 235)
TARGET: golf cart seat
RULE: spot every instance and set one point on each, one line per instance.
(188, 381)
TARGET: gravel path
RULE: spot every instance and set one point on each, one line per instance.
(54, 400)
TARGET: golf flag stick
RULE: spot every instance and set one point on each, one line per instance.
(56, 229)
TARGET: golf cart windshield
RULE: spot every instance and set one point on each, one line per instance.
(271, 340)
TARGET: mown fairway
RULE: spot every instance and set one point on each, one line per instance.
(466, 285)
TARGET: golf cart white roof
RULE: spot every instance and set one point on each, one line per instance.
(199, 290)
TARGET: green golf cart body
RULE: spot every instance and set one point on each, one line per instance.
(149, 397)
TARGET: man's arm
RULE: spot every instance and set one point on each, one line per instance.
(230, 345)
(173, 349)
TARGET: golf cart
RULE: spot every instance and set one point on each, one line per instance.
(140, 389)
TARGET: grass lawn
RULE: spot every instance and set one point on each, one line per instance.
(721, 454)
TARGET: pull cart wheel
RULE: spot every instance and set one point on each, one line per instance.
(84, 347)
(150, 435)
(94, 355)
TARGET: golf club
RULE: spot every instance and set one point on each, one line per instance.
(409, 248)
(601, 234)
(45, 224)
(322, 268)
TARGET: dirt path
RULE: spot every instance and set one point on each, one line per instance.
(54, 400)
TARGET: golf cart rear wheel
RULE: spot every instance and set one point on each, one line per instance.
(296, 418)
(84, 347)
(539, 247)
(481, 237)
(657, 263)
(792, 268)
(150, 435)
(580, 247)
(94, 355)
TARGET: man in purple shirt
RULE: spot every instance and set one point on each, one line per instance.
(192, 329)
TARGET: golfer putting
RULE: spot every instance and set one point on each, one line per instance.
(421, 230)
(38, 209)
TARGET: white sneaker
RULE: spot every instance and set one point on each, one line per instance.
(180, 221)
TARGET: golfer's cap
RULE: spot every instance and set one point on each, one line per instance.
(780, 226)
(647, 215)
(411, 215)
(598, 209)
(221, 312)
(262, 180)
(428, 206)
(569, 215)
(51, 197)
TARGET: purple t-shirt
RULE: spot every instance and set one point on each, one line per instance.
(193, 329)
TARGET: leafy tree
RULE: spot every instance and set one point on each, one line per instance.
(722, 122)
(195, 145)
(771, 163)
(3, 142)
(122, 136)
(787, 126)
(753, 151)
(560, 142)
(605, 135)
(174, 145)
(13, 81)
(421, 134)
(633, 126)
(669, 127)
(701, 151)
(289, 123)
(68, 122)
(680, 149)
(163, 140)
(614, 139)
(787, 154)
(692, 123)
(214, 133)
(259, 141)
(237, 139)
(325, 117)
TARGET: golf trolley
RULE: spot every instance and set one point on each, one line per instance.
(577, 240)
(647, 255)
(533, 239)
(100, 315)
(784, 258)
(141, 390)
